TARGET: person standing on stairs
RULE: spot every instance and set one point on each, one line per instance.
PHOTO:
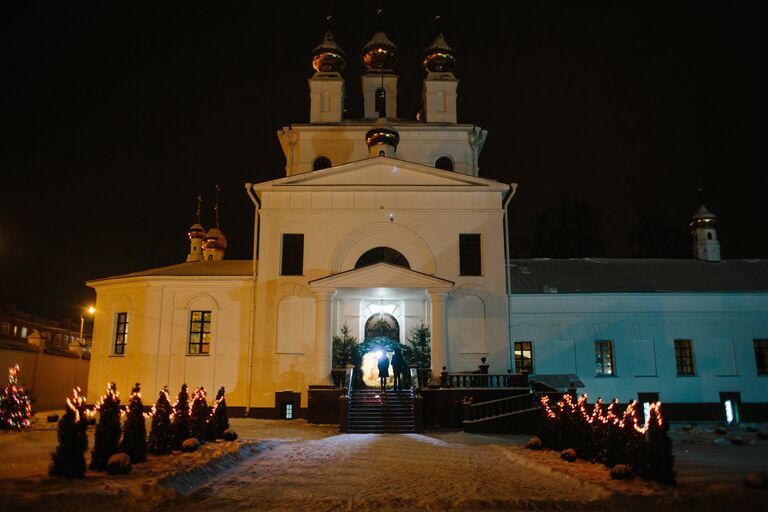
(383, 370)
(398, 368)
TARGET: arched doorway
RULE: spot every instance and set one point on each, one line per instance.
(382, 334)
(382, 325)
(382, 255)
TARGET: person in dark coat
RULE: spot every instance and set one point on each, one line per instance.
(398, 368)
(383, 369)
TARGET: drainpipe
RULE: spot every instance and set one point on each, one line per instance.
(252, 312)
(507, 198)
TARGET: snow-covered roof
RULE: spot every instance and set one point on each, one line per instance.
(598, 275)
(220, 268)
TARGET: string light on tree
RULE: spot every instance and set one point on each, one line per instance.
(15, 407)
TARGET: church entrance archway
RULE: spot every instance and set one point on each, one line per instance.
(382, 335)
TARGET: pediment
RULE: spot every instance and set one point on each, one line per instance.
(381, 275)
(381, 172)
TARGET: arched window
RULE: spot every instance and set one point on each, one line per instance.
(321, 162)
(382, 325)
(445, 163)
(381, 102)
(382, 255)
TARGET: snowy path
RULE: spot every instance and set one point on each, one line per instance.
(391, 472)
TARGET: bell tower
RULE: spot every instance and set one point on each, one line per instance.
(326, 87)
(706, 247)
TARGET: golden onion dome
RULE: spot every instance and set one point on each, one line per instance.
(379, 54)
(215, 239)
(328, 57)
(703, 218)
(196, 231)
(382, 133)
(439, 57)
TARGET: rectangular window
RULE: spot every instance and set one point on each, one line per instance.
(604, 358)
(5, 328)
(23, 332)
(121, 334)
(200, 332)
(524, 356)
(761, 356)
(684, 357)
(293, 255)
(469, 255)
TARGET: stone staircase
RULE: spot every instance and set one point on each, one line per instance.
(371, 411)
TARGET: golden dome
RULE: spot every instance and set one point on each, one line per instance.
(439, 57)
(215, 239)
(196, 231)
(328, 57)
(703, 218)
(379, 54)
(382, 133)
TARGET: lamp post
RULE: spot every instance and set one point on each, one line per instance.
(91, 310)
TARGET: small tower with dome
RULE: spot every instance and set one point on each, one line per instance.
(440, 84)
(215, 244)
(379, 56)
(326, 87)
(706, 247)
(196, 234)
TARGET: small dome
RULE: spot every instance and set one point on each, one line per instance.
(379, 54)
(328, 57)
(215, 239)
(196, 231)
(382, 133)
(703, 218)
(439, 57)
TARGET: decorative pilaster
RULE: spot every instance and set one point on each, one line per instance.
(323, 337)
(439, 333)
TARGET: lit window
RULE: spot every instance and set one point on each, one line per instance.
(200, 332)
(23, 332)
(121, 334)
(761, 356)
(604, 358)
(5, 328)
(684, 357)
(289, 411)
(470, 256)
(293, 255)
(524, 356)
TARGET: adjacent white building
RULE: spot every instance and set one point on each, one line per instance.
(382, 224)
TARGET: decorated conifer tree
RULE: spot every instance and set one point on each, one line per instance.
(659, 458)
(107, 435)
(161, 435)
(181, 418)
(134, 441)
(69, 458)
(15, 407)
(219, 421)
(198, 420)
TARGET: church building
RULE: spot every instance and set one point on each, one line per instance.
(384, 224)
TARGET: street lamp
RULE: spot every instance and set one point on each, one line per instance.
(91, 310)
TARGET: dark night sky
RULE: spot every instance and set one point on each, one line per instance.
(117, 114)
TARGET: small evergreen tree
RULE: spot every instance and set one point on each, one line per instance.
(219, 422)
(198, 421)
(108, 429)
(15, 407)
(659, 455)
(343, 348)
(161, 435)
(181, 418)
(69, 458)
(134, 441)
(419, 338)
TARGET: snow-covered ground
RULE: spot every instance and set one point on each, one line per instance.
(290, 465)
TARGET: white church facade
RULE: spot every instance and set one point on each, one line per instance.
(386, 219)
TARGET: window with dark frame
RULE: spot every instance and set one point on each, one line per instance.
(684, 357)
(293, 254)
(524, 356)
(121, 334)
(470, 257)
(761, 356)
(604, 358)
(200, 332)
(321, 162)
(445, 163)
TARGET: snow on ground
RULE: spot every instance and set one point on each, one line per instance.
(291, 465)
